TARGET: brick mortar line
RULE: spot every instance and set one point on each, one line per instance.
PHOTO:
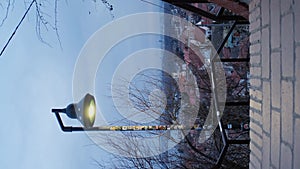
(271, 122)
(266, 133)
(256, 100)
(265, 26)
(258, 135)
(259, 159)
(280, 103)
(294, 84)
(255, 42)
(287, 144)
(254, 155)
(256, 30)
(256, 111)
(280, 84)
(254, 120)
(289, 11)
(293, 143)
(278, 110)
(257, 6)
(273, 167)
(256, 64)
(275, 50)
(256, 88)
(288, 79)
(254, 78)
(294, 129)
(253, 165)
(265, 79)
(257, 123)
(256, 54)
(280, 87)
(270, 65)
(257, 146)
(254, 19)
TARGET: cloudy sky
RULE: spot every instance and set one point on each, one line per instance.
(34, 78)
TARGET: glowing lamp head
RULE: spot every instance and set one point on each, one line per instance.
(84, 111)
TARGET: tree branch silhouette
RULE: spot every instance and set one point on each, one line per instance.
(17, 27)
(43, 20)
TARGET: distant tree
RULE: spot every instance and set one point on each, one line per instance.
(188, 153)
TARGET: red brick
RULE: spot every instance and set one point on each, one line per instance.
(287, 46)
(297, 83)
(275, 139)
(297, 18)
(265, 42)
(296, 144)
(275, 23)
(265, 12)
(266, 152)
(266, 107)
(255, 48)
(275, 78)
(286, 157)
(287, 112)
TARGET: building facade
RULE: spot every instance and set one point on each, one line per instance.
(275, 84)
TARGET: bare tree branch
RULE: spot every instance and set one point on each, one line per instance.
(43, 20)
(17, 27)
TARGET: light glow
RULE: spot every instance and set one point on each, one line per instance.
(92, 111)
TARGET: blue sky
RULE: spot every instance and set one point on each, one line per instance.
(35, 78)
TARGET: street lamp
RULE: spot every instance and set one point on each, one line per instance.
(84, 111)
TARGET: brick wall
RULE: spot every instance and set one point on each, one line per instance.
(275, 84)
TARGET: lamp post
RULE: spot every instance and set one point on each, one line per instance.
(85, 112)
